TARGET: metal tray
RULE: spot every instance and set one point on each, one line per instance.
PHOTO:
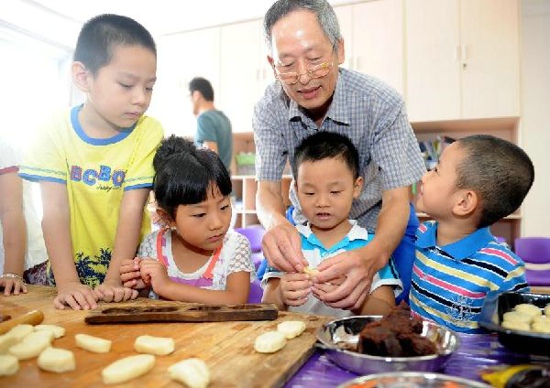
(411, 380)
(339, 336)
(516, 340)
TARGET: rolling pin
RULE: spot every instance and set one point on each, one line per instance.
(33, 317)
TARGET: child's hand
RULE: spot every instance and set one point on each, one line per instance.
(77, 296)
(130, 274)
(113, 291)
(295, 288)
(153, 273)
(13, 283)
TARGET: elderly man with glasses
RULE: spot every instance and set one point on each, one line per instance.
(312, 93)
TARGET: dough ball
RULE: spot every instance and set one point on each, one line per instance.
(32, 345)
(9, 365)
(92, 344)
(56, 360)
(127, 368)
(193, 372)
(311, 271)
(20, 331)
(529, 309)
(541, 324)
(516, 325)
(270, 342)
(517, 316)
(6, 342)
(57, 331)
(159, 346)
(291, 329)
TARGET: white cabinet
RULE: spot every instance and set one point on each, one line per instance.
(462, 59)
(244, 72)
(180, 58)
(373, 39)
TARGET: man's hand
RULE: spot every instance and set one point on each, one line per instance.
(358, 267)
(113, 291)
(76, 295)
(282, 248)
(295, 288)
(130, 274)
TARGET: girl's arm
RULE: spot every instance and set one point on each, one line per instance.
(14, 233)
(55, 225)
(130, 219)
(236, 292)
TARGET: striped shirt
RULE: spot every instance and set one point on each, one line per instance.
(451, 283)
(369, 112)
(315, 252)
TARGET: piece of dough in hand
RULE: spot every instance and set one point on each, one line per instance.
(192, 372)
(270, 342)
(291, 329)
(159, 346)
(311, 271)
(92, 344)
(9, 365)
(127, 368)
(56, 360)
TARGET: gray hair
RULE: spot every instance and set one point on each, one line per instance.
(321, 8)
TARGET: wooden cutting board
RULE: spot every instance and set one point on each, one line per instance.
(226, 347)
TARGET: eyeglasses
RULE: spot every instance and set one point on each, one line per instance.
(317, 71)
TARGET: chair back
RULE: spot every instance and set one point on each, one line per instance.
(533, 249)
(254, 234)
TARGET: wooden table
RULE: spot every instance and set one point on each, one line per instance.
(226, 347)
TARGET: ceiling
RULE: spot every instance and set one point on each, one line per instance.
(58, 21)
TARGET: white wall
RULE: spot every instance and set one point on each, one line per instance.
(535, 118)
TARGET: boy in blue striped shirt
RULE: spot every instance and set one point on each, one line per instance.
(478, 180)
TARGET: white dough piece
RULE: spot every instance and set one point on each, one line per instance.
(517, 316)
(20, 331)
(57, 331)
(37, 335)
(127, 368)
(56, 360)
(192, 372)
(159, 346)
(291, 329)
(31, 346)
(541, 326)
(311, 271)
(529, 309)
(7, 341)
(9, 365)
(516, 325)
(92, 344)
(270, 342)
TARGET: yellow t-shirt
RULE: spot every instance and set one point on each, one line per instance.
(96, 173)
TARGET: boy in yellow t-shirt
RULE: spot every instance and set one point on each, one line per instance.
(94, 164)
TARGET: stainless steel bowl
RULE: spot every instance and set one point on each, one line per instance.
(338, 337)
(412, 380)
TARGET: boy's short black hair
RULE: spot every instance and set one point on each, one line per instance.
(322, 145)
(499, 171)
(203, 86)
(101, 34)
(185, 173)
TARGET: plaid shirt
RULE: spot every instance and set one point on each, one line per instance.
(366, 110)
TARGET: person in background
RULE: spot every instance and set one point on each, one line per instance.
(213, 127)
(94, 164)
(326, 173)
(478, 180)
(197, 258)
(313, 93)
(22, 250)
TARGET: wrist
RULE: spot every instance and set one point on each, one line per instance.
(11, 275)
